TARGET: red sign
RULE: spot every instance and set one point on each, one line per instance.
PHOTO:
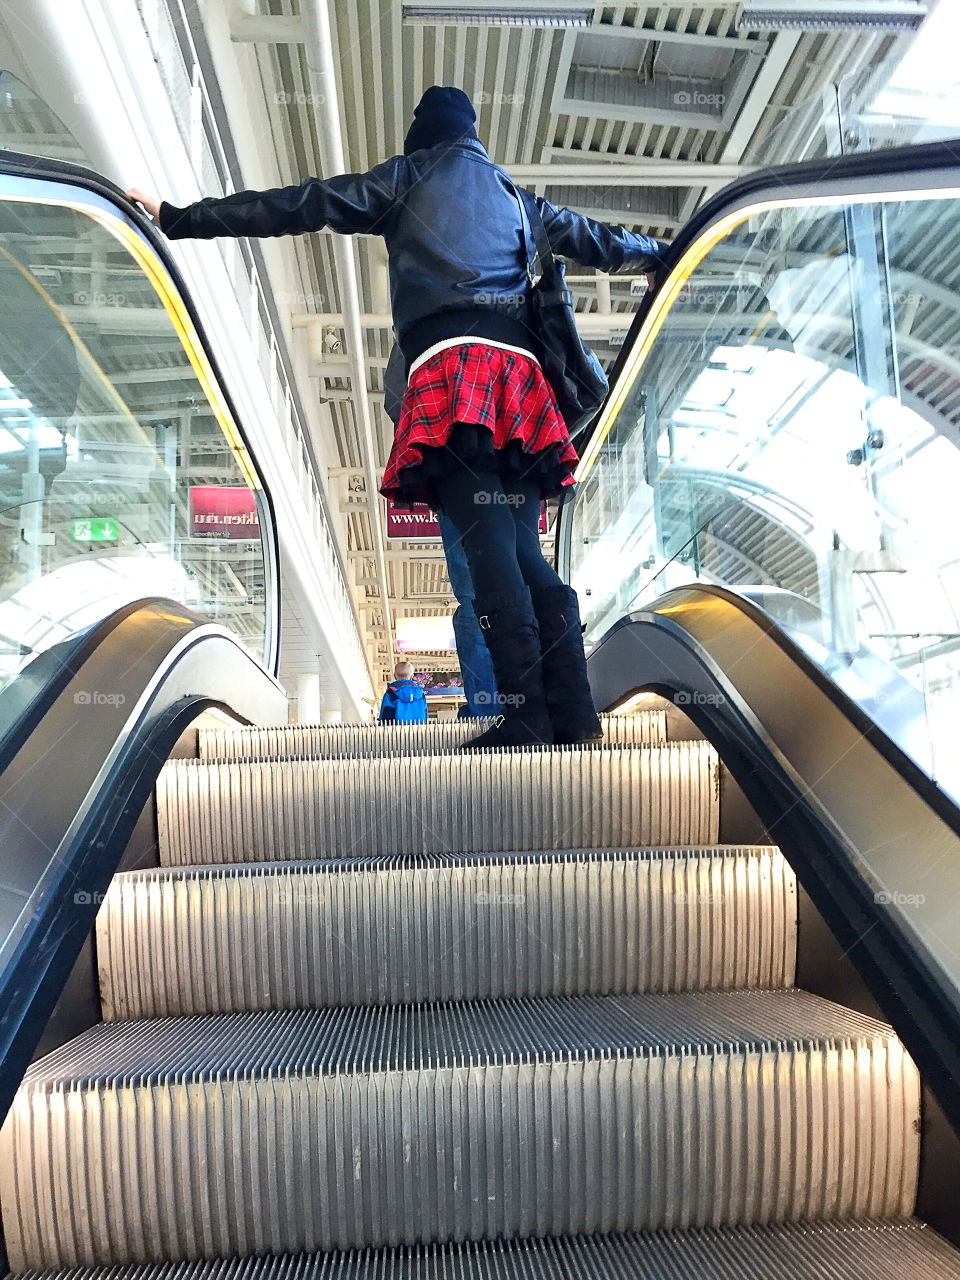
(218, 511)
(419, 521)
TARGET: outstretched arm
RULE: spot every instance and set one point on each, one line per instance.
(595, 244)
(349, 203)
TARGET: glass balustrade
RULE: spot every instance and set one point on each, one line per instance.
(788, 425)
(122, 473)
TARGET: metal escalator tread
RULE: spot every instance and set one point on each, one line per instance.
(297, 741)
(447, 803)
(367, 1127)
(440, 1036)
(391, 930)
(871, 1250)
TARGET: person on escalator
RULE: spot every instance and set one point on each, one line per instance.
(404, 701)
(479, 435)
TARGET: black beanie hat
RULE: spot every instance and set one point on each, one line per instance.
(442, 114)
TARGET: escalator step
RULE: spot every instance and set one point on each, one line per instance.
(872, 1250)
(390, 930)
(376, 1126)
(294, 741)
(456, 803)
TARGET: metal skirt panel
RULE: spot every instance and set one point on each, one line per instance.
(376, 931)
(364, 740)
(168, 1164)
(874, 1250)
(491, 801)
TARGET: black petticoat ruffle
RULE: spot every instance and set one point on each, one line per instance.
(471, 445)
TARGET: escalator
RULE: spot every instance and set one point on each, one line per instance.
(534, 1003)
(341, 1002)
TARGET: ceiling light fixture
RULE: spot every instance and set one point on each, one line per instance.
(831, 15)
(522, 13)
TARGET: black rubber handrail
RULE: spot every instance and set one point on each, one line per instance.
(25, 700)
(78, 780)
(839, 797)
(906, 767)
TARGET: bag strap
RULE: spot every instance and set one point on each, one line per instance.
(530, 214)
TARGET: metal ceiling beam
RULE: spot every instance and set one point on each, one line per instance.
(425, 553)
(162, 374)
(620, 216)
(631, 172)
(733, 44)
(572, 96)
(771, 72)
(138, 321)
(340, 396)
(566, 104)
(589, 325)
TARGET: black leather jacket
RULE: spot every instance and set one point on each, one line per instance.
(457, 247)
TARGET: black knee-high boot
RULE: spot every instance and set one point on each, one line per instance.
(509, 627)
(566, 688)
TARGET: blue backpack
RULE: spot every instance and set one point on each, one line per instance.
(408, 700)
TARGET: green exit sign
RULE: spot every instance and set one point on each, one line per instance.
(95, 529)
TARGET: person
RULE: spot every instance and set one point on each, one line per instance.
(479, 435)
(404, 701)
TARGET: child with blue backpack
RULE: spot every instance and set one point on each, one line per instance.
(404, 701)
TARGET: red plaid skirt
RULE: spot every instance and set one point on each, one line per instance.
(475, 401)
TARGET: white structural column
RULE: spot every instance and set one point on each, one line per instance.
(309, 702)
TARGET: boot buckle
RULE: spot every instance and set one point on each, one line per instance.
(484, 621)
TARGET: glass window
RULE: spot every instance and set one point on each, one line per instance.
(121, 473)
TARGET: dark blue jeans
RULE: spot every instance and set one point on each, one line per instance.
(479, 682)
